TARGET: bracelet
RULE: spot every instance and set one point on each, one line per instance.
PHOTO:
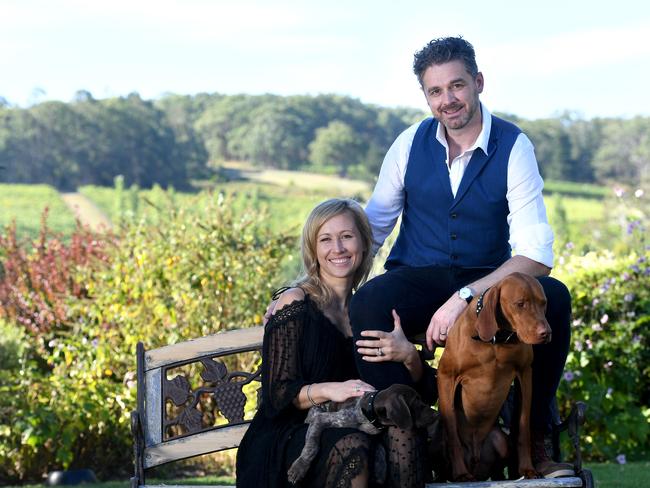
(311, 400)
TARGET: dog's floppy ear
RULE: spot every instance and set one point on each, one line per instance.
(486, 322)
(392, 408)
(398, 411)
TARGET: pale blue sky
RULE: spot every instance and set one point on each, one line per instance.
(539, 58)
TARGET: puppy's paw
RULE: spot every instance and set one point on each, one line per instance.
(297, 470)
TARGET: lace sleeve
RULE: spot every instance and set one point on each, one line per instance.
(282, 376)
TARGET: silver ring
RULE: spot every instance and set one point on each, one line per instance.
(358, 388)
(380, 352)
(443, 333)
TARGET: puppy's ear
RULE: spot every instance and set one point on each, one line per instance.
(398, 413)
(486, 322)
(423, 414)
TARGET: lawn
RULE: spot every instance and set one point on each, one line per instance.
(25, 205)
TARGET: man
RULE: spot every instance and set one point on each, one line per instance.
(468, 188)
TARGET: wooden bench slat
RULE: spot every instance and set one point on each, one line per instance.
(215, 344)
(568, 482)
(153, 405)
(194, 445)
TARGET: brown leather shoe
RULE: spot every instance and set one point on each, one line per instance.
(543, 463)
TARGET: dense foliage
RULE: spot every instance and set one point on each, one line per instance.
(177, 138)
(91, 141)
(609, 363)
(67, 384)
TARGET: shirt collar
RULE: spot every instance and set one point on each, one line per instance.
(483, 137)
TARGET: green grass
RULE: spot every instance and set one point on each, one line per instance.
(25, 205)
(630, 475)
(569, 188)
(606, 475)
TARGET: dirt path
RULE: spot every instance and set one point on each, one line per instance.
(86, 211)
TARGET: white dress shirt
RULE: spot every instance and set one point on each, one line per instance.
(530, 233)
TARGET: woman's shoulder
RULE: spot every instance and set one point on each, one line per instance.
(289, 296)
(290, 302)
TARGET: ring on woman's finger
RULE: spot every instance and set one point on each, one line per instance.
(380, 352)
(358, 388)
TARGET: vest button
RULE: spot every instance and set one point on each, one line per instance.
(454, 257)
(454, 237)
(454, 215)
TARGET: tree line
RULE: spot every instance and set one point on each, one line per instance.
(179, 138)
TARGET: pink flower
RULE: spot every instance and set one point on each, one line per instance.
(620, 459)
(604, 319)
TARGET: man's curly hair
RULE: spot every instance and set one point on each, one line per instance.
(443, 50)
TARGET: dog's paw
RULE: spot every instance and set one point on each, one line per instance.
(464, 477)
(530, 474)
(297, 470)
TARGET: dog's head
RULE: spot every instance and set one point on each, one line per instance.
(401, 406)
(518, 303)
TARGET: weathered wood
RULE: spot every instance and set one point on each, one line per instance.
(539, 483)
(153, 408)
(194, 445)
(215, 344)
(545, 483)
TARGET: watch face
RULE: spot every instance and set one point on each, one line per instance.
(465, 293)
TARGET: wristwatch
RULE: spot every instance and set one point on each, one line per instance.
(466, 294)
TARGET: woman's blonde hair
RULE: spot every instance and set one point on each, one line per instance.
(310, 281)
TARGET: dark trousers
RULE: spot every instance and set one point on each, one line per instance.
(416, 293)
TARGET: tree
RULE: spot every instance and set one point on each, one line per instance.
(624, 154)
(336, 145)
(552, 147)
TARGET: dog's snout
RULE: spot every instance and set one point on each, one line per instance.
(544, 332)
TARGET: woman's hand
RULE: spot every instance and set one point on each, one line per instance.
(336, 391)
(339, 392)
(386, 346)
(390, 346)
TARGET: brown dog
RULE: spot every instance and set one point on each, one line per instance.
(397, 405)
(488, 347)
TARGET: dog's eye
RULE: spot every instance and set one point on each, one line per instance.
(520, 304)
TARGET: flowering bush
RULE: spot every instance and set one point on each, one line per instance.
(609, 364)
(68, 389)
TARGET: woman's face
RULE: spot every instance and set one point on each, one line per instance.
(339, 248)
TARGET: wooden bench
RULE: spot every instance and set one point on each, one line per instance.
(198, 397)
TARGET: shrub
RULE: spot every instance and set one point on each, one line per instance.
(609, 364)
(68, 403)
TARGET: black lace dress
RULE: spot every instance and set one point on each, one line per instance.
(302, 346)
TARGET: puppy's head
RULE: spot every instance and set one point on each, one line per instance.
(401, 406)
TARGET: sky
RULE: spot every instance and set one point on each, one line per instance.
(539, 58)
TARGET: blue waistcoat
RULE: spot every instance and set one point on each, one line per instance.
(468, 231)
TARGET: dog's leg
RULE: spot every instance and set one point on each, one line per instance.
(526, 468)
(300, 466)
(447, 390)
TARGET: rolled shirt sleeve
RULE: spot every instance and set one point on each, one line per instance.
(530, 233)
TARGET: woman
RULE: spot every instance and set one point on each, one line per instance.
(307, 359)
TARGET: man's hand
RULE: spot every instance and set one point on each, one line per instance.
(269, 312)
(443, 320)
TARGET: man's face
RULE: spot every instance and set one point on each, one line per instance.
(452, 94)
